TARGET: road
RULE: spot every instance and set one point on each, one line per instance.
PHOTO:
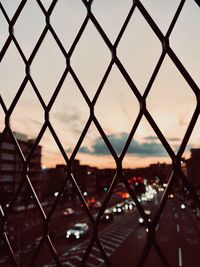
(123, 239)
(178, 236)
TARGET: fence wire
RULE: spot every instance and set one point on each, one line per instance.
(118, 159)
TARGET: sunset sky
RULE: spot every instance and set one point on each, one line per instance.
(171, 102)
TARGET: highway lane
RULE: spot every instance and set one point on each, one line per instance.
(124, 239)
(178, 236)
(111, 235)
(183, 245)
(27, 231)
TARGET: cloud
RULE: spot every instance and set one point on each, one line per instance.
(35, 121)
(151, 138)
(155, 138)
(145, 149)
(174, 139)
(183, 120)
(83, 149)
(69, 117)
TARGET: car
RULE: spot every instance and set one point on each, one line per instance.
(68, 211)
(77, 231)
(97, 205)
(118, 209)
(129, 205)
(107, 216)
(93, 204)
(141, 220)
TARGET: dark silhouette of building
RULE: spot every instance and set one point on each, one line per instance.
(193, 167)
(104, 179)
(11, 165)
(55, 178)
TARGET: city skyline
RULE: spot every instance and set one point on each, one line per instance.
(170, 101)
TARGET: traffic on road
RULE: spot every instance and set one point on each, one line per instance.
(120, 224)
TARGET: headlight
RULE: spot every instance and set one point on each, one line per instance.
(141, 220)
(182, 206)
(77, 235)
(68, 234)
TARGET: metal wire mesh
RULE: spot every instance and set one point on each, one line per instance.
(141, 98)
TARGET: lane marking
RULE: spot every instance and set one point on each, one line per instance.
(180, 257)
(69, 264)
(109, 242)
(77, 257)
(120, 236)
(117, 240)
(157, 227)
(176, 215)
(96, 258)
(95, 249)
(108, 245)
(178, 228)
(2, 261)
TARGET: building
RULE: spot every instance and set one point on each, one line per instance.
(158, 172)
(193, 167)
(104, 179)
(55, 178)
(11, 164)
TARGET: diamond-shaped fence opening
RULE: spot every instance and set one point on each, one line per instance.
(52, 62)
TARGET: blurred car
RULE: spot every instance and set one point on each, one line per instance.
(92, 203)
(118, 209)
(107, 216)
(141, 220)
(68, 211)
(95, 205)
(128, 205)
(77, 231)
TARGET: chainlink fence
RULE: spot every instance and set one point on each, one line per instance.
(176, 158)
